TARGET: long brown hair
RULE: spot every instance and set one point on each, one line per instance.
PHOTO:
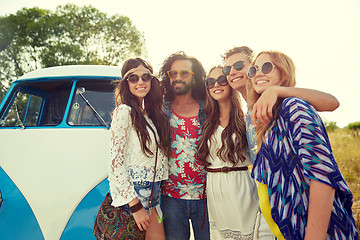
(198, 90)
(287, 69)
(232, 149)
(152, 106)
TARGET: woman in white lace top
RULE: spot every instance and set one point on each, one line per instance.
(139, 132)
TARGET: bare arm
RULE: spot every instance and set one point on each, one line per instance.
(320, 100)
(262, 109)
(142, 218)
(321, 200)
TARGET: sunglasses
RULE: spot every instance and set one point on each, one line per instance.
(183, 73)
(266, 68)
(239, 65)
(210, 82)
(146, 77)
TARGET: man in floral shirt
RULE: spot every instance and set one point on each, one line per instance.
(183, 193)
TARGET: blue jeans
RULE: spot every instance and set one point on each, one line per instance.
(177, 213)
(143, 190)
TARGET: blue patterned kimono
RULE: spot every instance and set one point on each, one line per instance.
(298, 150)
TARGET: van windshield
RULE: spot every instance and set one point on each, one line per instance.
(92, 104)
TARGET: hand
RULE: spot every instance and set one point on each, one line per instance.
(142, 219)
(262, 109)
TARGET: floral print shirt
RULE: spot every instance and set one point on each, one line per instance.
(186, 172)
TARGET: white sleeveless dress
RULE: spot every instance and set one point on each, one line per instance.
(232, 198)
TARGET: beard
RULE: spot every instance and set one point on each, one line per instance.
(182, 90)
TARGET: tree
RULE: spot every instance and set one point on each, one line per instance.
(355, 128)
(35, 38)
(330, 126)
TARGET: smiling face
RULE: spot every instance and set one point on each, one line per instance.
(141, 88)
(237, 78)
(262, 81)
(219, 93)
(181, 84)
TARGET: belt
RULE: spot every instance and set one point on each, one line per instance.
(226, 169)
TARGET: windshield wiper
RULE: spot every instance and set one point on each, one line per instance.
(80, 91)
(18, 116)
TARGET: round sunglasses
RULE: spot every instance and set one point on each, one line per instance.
(183, 73)
(239, 65)
(210, 82)
(266, 68)
(146, 77)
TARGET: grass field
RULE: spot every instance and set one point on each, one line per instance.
(346, 147)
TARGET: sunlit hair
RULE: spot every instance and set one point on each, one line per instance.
(243, 49)
(234, 146)
(287, 69)
(198, 90)
(152, 107)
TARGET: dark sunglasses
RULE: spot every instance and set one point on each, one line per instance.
(266, 68)
(239, 65)
(210, 82)
(183, 73)
(133, 78)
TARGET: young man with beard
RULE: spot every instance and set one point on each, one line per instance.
(183, 193)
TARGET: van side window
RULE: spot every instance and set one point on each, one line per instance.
(92, 103)
(37, 104)
(24, 111)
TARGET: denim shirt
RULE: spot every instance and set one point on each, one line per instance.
(251, 136)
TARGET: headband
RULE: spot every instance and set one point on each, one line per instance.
(139, 68)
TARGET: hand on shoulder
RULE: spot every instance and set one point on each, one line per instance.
(262, 109)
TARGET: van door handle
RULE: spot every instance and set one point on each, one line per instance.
(0, 199)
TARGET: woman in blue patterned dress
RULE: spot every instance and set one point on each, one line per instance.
(302, 192)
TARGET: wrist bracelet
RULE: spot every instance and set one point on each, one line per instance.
(136, 207)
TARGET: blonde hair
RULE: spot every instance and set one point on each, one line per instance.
(287, 69)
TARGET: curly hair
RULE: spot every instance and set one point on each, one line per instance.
(198, 90)
(152, 106)
(234, 143)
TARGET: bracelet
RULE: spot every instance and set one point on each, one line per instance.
(136, 207)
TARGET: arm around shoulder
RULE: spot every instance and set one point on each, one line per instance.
(320, 100)
(262, 109)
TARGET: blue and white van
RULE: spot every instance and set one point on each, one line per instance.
(54, 152)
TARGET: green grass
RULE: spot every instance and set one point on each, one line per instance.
(346, 147)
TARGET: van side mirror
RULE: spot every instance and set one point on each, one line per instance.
(0, 199)
(80, 90)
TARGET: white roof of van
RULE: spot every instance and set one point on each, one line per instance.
(74, 70)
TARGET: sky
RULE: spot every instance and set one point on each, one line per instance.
(322, 37)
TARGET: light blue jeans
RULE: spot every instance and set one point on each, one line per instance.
(143, 190)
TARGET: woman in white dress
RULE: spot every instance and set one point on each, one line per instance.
(232, 199)
(138, 129)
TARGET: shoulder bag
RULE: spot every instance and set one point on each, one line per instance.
(115, 223)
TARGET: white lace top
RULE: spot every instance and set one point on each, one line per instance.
(128, 162)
